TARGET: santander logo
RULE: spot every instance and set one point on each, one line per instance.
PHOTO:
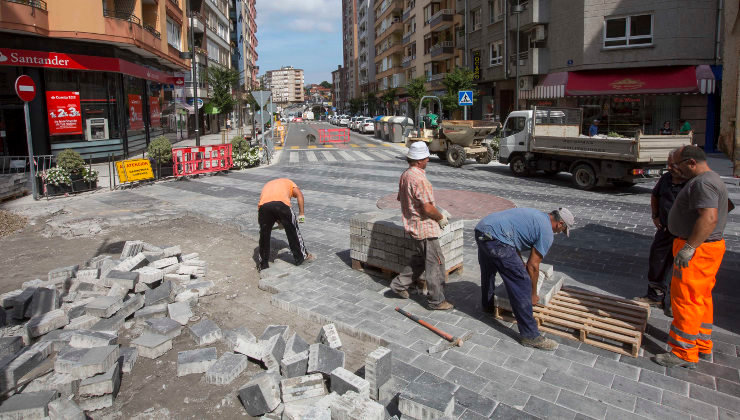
(3, 57)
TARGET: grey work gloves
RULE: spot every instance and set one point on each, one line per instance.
(684, 256)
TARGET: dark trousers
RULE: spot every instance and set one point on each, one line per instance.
(660, 267)
(428, 260)
(277, 211)
(497, 257)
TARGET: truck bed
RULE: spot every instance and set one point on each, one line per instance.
(642, 149)
(465, 132)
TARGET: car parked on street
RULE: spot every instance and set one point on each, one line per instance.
(343, 121)
(367, 126)
(298, 119)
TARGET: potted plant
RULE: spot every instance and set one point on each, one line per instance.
(244, 156)
(160, 154)
(56, 180)
(90, 178)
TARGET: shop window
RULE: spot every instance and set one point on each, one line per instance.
(174, 32)
(135, 109)
(496, 53)
(628, 31)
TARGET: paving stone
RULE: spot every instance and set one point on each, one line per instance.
(301, 387)
(261, 394)
(104, 306)
(164, 262)
(613, 366)
(63, 273)
(544, 409)
(130, 305)
(127, 358)
(231, 336)
(725, 414)
(125, 278)
(58, 339)
(14, 367)
(88, 274)
(664, 382)
(130, 264)
(42, 324)
(252, 350)
(65, 409)
(28, 405)
(388, 392)
(81, 322)
(474, 402)
(654, 410)
(342, 381)
(118, 291)
(590, 374)
(716, 398)
(171, 251)
(378, 369)
(162, 294)
(163, 326)
(105, 383)
(579, 356)
(728, 387)
(273, 330)
(196, 361)
(638, 389)
(294, 365)
(563, 380)
(461, 360)
(713, 369)
(462, 377)
(227, 368)
(506, 412)
(324, 359)
(351, 406)
(273, 352)
(581, 404)
(330, 336)
(151, 345)
(110, 325)
(180, 312)
(424, 402)
(686, 405)
(523, 367)
(44, 300)
(540, 389)
(10, 345)
(84, 363)
(611, 396)
(21, 302)
(131, 248)
(205, 332)
(154, 311)
(295, 344)
(177, 278)
(85, 339)
(149, 275)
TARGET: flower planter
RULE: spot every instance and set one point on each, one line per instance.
(61, 189)
(80, 185)
(164, 170)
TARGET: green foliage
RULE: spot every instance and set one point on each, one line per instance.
(326, 84)
(372, 103)
(417, 90)
(222, 80)
(246, 158)
(614, 134)
(460, 79)
(387, 99)
(355, 105)
(239, 145)
(70, 161)
(56, 176)
(160, 149)
(89, 175)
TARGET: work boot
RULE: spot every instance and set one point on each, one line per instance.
(649, 301)
(540, 342)
(403, 294)
(668, 311)
(444, 306)
(263, 266)
(671, 360)
(707, 357)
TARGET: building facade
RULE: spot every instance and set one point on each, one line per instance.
(247, 44)
(105, 83)
(366, 39)
(632, 65)
(350, 51)
(729, 135)
(339, 96)
(286, 85)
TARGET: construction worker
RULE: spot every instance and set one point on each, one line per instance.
(698, 219)
(274, 207)
(660, 268)
(423, 222)
(500, 238)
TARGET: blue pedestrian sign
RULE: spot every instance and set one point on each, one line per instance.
(465, 97)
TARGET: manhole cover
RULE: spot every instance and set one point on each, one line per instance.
(460, 204)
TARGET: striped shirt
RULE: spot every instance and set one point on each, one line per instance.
(413, 191)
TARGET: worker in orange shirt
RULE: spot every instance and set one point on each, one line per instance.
(274, 207)
(698, 219)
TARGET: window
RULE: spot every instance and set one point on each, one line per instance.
(495, 11)
(496, 53)
(173, 34)
(628, 31)
(514, 125)
(222, 32)
(212, 50)
(475, 19)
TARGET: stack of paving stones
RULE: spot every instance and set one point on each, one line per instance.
(60, 354)
(379, 240)
(549, 283)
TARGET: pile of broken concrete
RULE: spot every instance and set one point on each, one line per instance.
(60, 336)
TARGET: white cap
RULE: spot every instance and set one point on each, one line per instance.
(567, 217)
(418, 151)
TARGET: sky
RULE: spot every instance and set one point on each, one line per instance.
(305, 34)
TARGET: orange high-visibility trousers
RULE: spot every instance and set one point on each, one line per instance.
(691, 298)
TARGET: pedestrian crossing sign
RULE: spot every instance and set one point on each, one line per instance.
(465, 97)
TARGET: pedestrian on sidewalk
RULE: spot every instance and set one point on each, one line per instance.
(423, 222)
(660, 262)
(698, 219)
(274, 207)
(500, 238)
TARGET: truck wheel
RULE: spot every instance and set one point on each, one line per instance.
(442, 155)
(456, 155)
(518, 166)
(584, 177)
(487, 157)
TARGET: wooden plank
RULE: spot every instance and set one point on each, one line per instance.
(586, 314)
(557, 300)
(577, 326)
(607, 299)
(625, 305)
(600, 309)
(591, 322)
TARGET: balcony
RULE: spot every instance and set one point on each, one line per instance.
(441, 20)
(25, 15)
(151, 30)
(407, 37)
(174, 10)
(406, 14)
(435, 80)
(533, 14)
(396, 26)
(534, 61)
(443, 48)
(389, 6)
(126, 16)
(406, 62)
(36, 4)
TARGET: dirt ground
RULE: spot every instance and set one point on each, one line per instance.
(153, 389)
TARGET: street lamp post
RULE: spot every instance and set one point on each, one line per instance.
(194, 77)
(517, 10)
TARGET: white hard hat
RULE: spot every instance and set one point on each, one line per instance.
(418, 151)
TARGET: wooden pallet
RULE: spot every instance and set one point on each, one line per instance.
(389, 274)
(602, 321)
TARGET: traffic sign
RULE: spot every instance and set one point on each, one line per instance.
(25, 88)
(261, 96)
(465, 97)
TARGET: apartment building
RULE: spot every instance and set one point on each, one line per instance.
(339, 97)
(388, 46)
(632, 65)
(286, 85)
(105, 82)
(350, 51)
(246, 32)
(366, 39)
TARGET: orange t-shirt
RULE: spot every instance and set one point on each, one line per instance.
(280, 189)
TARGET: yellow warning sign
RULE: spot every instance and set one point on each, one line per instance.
(134, 170)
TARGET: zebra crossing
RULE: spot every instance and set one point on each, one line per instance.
(301, 156)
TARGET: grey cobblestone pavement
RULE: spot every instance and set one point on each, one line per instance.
(492, 376)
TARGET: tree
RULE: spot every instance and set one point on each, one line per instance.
(372, 103)
(417, 90)
(222, 80)
(460, 79)
(355, 105)
(326, 84)
(387, 99)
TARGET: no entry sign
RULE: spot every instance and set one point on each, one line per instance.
(25, 88)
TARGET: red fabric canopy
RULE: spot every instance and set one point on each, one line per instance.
(675, 79)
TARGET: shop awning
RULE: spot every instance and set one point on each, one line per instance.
(644, 80)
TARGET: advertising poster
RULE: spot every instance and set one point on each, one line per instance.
(155, 114)
(63, 111)
(135, 113)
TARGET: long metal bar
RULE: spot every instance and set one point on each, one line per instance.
(194, 67)
(31, 161)
(427, 325)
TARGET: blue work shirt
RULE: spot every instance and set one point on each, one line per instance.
(521, 228)
(593, 130)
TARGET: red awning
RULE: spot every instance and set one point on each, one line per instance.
(677, 79)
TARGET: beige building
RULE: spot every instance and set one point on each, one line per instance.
(285, 84)
(350, 50)
(729, 134)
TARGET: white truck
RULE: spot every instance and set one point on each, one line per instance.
(549, 139)
(308, 115)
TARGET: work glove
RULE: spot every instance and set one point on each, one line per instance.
(301, 219)
(443, 222)
(445, 213)
(684, 256)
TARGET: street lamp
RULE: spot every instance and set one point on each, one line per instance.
(517, 10)
(194, 77)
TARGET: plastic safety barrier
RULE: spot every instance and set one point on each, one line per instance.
(333, 135)
(201, 160)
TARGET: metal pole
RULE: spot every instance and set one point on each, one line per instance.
(194, 67)
(516, 88)
(465, 112)
(31, 162)
(465, 25)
